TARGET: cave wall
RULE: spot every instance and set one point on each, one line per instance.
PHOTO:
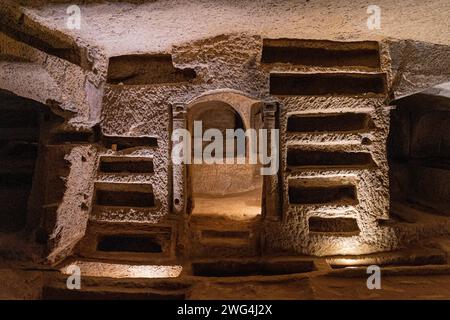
(115, 138)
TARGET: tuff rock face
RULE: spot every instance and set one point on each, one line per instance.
(86, 145)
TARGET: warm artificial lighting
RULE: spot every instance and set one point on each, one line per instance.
(349, 262)
(113, 270)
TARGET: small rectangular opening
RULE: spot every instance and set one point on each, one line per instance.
(129, 243)
(286, 84)
(143, 199)
(123, 143)
(232, 268)
(322, 53)
(335, 122)
(305, 158)
(145, 69)
(126, 165)
(344, 194)
(333, 225)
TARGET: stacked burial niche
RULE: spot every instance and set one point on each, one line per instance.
(333, 123)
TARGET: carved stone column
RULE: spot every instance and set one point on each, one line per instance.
(179, 174)
(271, 192)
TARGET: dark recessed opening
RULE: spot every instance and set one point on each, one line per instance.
(72, 137)
(250, 268)
(322, 53)
(125, 165)
(125, 198)
(303, 158)
(129, 243)
(345, 194)
(333, 225)
(146, 69)
(16, 179)
(326, 83)
(19, 143)
(130, 142)
(19, 119)
(337, 122)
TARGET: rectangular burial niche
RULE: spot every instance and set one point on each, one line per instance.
(123, 143)
(333, 225)
(324, 159)
(330, 122)
(145, 69)
(338, 194)
(236, 268)
(124, 195)
(142, 165)
(125, 198)
(322, 53)
(307, 84)
(129, 243)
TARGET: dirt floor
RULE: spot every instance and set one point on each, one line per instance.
(403, 283)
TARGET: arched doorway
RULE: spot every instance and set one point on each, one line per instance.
(223, 203)
(231, 189)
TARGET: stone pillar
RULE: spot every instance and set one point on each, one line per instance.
(271, 192)
(179, 175)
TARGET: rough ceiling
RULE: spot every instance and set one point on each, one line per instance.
(156, 26)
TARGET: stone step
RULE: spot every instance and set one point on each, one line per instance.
(225, 234)
(218, 236)
(225, 243)
(225, 248)
(301, 159)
